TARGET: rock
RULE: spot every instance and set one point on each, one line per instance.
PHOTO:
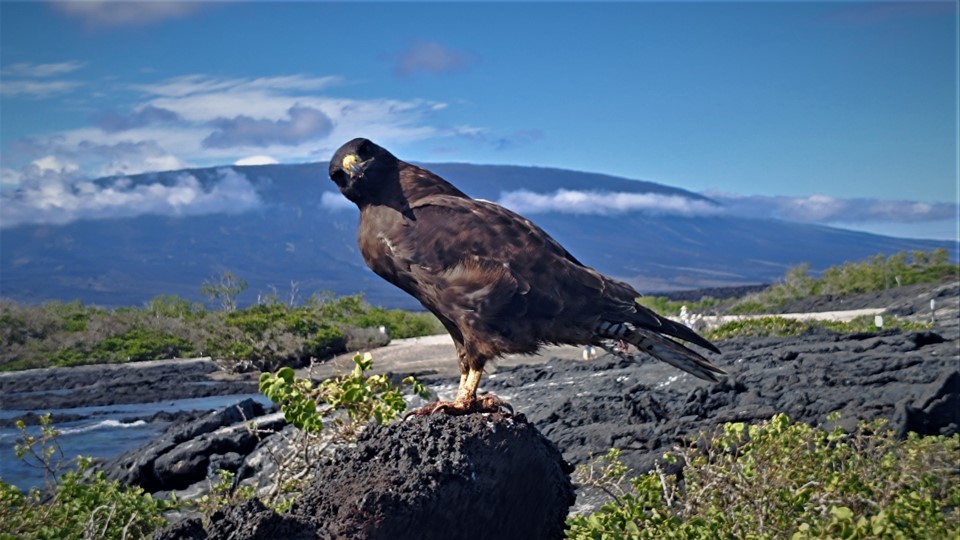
(181, 456)
(646, 409)
(936, 412)
(110, 384)
(433, 477)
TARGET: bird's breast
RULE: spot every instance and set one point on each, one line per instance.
(380, 244)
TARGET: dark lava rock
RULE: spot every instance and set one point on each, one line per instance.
(112, 384)
(937, 412)
(434, 477)
(645, 409)
(182, 455)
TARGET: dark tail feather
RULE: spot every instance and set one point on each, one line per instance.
(675, 354)
(681, 331)
(646, 318)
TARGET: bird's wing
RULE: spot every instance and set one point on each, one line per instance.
(448, 228)
(506, 230)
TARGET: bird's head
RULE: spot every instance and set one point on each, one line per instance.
(357, 165)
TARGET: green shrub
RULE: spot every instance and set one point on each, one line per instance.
(174, 307)
(344, 403)
(266, 336)
(263, 336)
(77, 504)
(874, 274)
(778, 479)
(139, 344)
(353, 311)
(774, 326)
(360, 395)
(667, 307)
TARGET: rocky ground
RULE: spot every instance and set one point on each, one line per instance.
(910, 378)
(442, 477)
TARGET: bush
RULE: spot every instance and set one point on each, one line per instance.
(874, 274)
(353, 311)
(261, 337)
(777, 480)
(344, 403)
(266, 336)
(774, 326)
(360, 395)
(78, 504)
(667, 307)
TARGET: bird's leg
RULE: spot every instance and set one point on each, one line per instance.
(466, 401)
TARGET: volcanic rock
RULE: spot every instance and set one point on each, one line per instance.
(182, 456)
(433, 477)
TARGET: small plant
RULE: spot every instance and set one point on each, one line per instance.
(361, 396)
(80, 503)
(222, 493)
(347, 402)
(780, 479)
(224, 288)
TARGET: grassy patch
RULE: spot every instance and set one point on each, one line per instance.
(265, 336)
(780, 479)
(774, 326)
(877, 273)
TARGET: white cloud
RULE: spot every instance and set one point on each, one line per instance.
(47, 196)
(107, 13)
(833, 210)
(51, 163)
(187, 85)
(283, 117)
(36, 89)
(25, 69)
(31, 80)
(10, 178)
(604, 202)
(256, 160)
(83, 153)
(334, 201)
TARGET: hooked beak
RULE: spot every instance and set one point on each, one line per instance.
(354, 166)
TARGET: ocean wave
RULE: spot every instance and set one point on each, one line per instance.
(103, 424)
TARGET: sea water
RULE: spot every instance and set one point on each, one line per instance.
(103, 432)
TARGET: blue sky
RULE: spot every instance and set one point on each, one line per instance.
(835, 113)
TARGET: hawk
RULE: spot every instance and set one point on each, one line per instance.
(498, 283)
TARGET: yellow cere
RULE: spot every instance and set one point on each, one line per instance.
(348, 161)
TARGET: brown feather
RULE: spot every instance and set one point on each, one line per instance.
(496, 281)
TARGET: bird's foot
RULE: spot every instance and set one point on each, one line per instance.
(484, 404)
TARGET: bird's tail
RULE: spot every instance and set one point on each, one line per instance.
(661, 348)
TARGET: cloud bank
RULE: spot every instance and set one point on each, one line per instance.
(827, 210)
(201, 120)
(604, 203)
(50, 196)
(817, 209)
(335, 201)
(304, 124)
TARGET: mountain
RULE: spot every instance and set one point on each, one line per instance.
(301, 230)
